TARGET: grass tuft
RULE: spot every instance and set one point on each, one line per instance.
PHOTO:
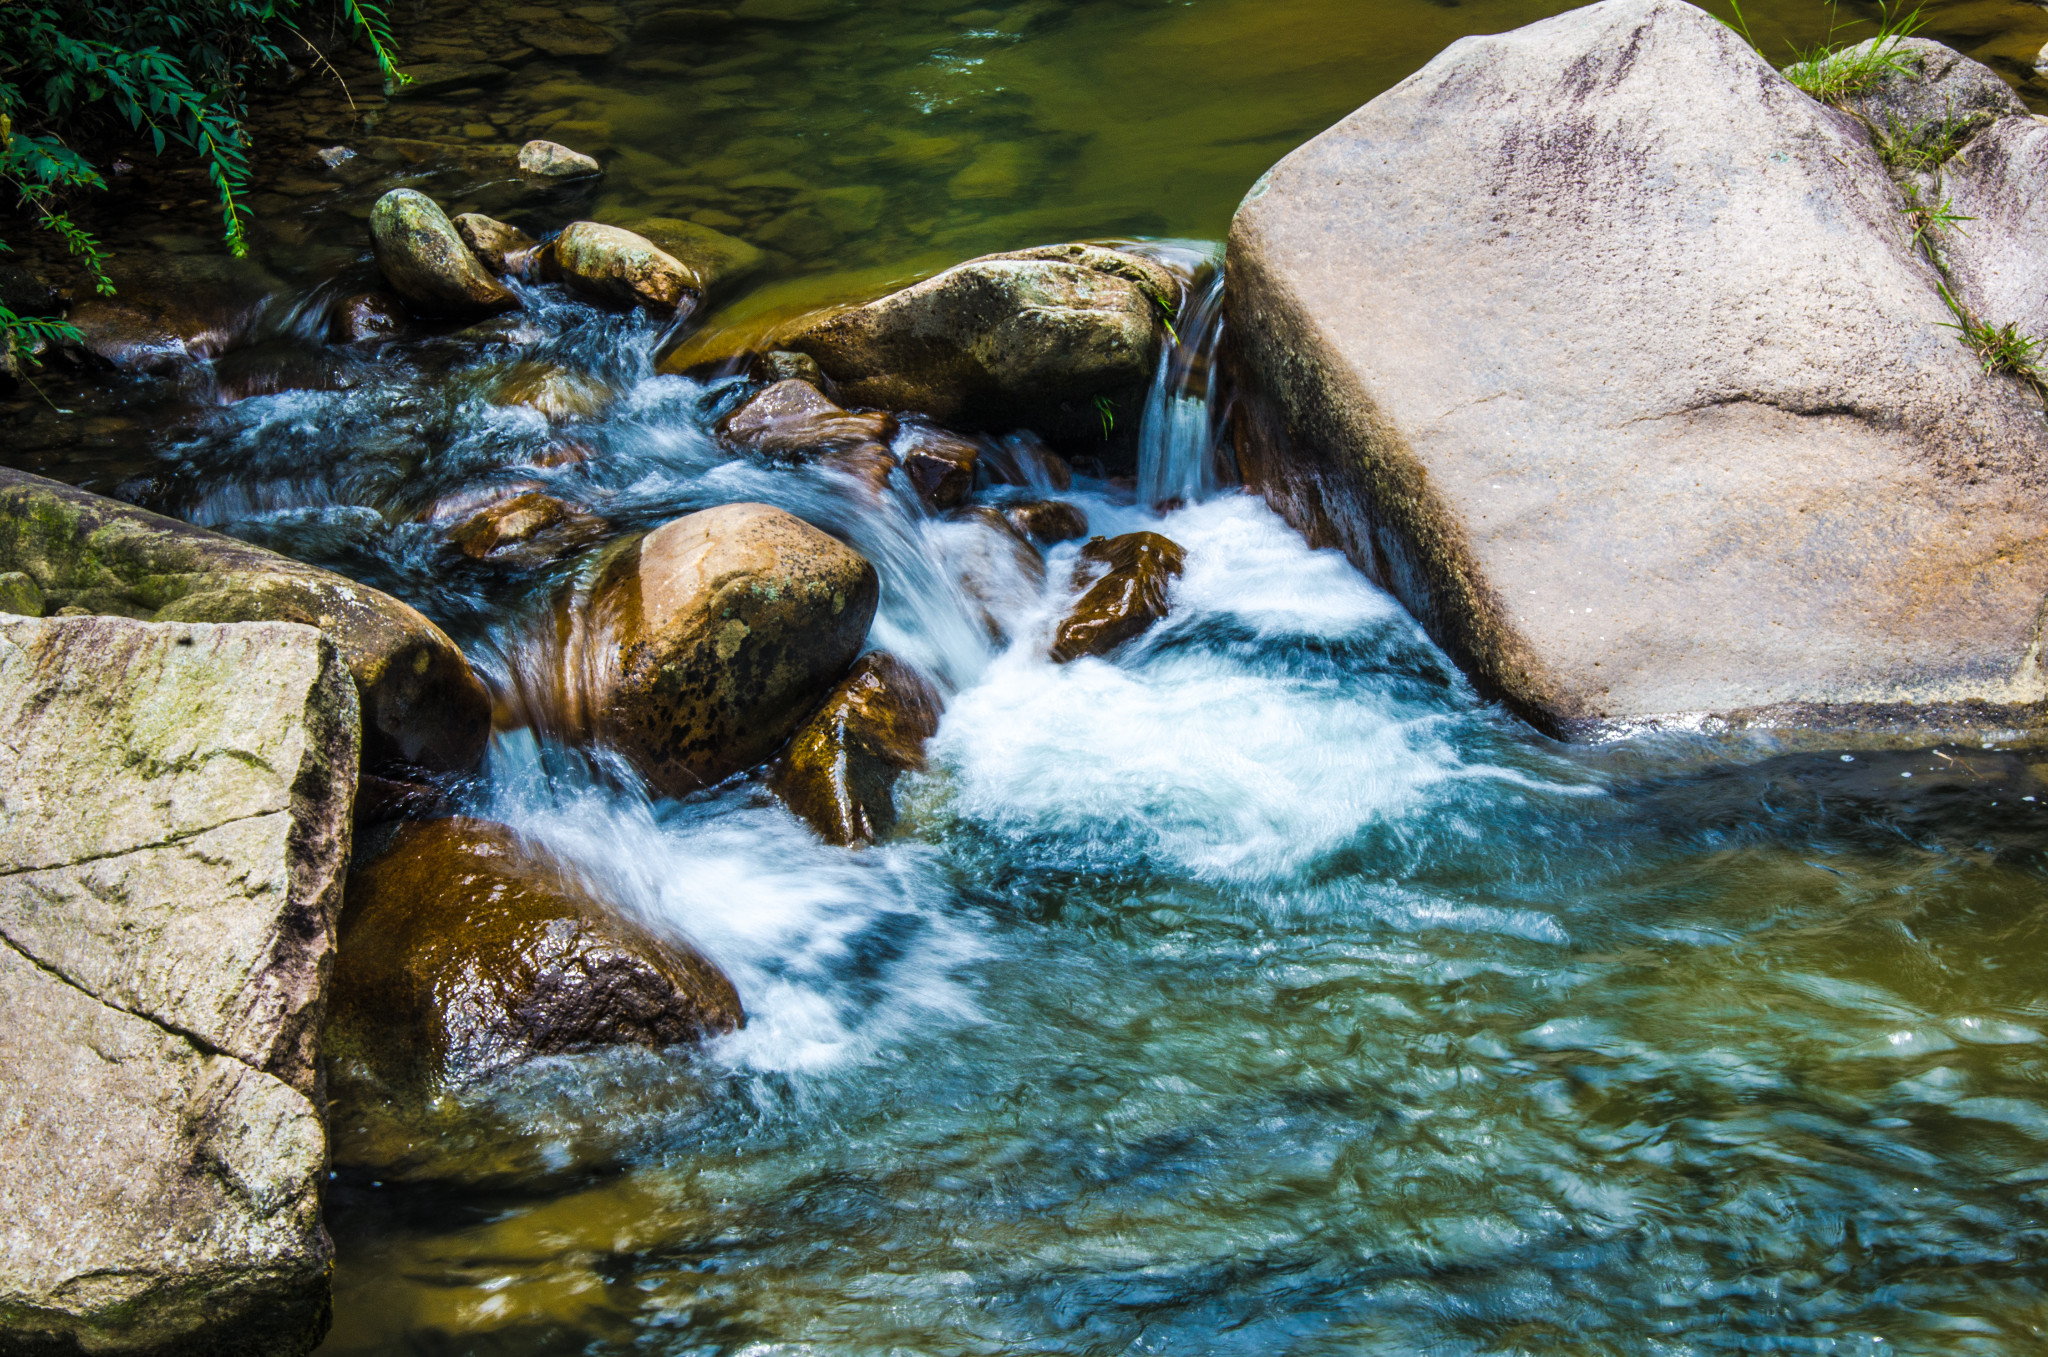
(1999, 348)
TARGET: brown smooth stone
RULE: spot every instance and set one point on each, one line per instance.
(940, 468)
(527, 529)
(1124, 602)
(793, 417)
(840, 770)
(1046, 521)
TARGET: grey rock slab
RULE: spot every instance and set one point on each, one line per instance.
(1603, 347)
(1995, 261)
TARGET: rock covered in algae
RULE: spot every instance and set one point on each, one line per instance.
(1031, 339)
(713, 636)
(839, 772)
(613, 266)
(424, 258)
(1601, 346)
(793, 417)
(1128, 598)
(464, 950)
(421, 703)
(174, 824)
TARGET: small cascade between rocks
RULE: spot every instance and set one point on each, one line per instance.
(1177, 442)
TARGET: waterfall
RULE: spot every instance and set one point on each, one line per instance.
(1177, 462)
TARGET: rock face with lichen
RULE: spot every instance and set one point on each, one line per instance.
(465, 950)
(1611, 354)
(424, 258)
(710, 639)
(421, 704)
(174, 825)
(839, 772)
(1031, 339)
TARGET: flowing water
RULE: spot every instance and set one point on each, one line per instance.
(1258, 990)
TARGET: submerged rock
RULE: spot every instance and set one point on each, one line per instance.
(527, 529)
(939, 467)
(1036, 338)
(365, 316)
(424, 259)
(713, 256)
(464, 951)
(793, 417)
(421, 704)
(1128, 598)
(551, 160)
(840, 770)
(713, 636)
(174, 823)
(618, 268)
(1046, 521)
(504, 250)
(1602, 347)
(169, 308)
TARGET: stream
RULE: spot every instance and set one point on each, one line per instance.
(1257, 990)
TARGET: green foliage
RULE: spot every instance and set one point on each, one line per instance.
(1912, 150)
(1999, 348)
(1930, 221)
(174, 71)
(1105, 410)
(1831, 72)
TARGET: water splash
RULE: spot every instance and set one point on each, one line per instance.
(1177, 440)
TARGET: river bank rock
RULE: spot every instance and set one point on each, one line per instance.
(174, 826)
(1129, 597)
(421, 704)
(714, 635)
(1601, 346)
(1034, 338)
(839, 772)
(615, 267)
(465, 950)
(424, 259)
(1994, 262)
(793, 417)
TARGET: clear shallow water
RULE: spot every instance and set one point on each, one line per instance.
(1259, 991)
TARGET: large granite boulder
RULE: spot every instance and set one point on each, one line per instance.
(839, 772)
(174, 827)
(1603, 347)
(465, 951)
(423, 257)
(1033, 339)
(421, 704)
(713, 636)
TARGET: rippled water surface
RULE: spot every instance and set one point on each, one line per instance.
(1258, 990)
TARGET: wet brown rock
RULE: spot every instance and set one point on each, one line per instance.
(614, 266)
(420, 701)
(551, 160)
(365, 316)
(792, 418)
(1032, 339)
(780, 365)
(168, 308)
(527, 529)
(464, 951)
(840, 770)
(550, 389)
(869, 463)
(424, 259)
(712, 636)
(1020, 459)
(504, 250)
(940, 468)
(1126, 600)
(266, 369)
(1046, 521)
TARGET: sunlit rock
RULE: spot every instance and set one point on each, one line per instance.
(1060, 339)
(19, 595)
(550, 160)
(713, 256)
(174, 823)
(712, 637)
(840, 770)
(1125, 601)
(425, 261)
(464, 950)
(421, 704)
(611, 265)
(1611, 354)
(792, 418)
(549, 389)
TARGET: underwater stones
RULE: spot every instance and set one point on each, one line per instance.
(715, 634)
(840, 770)
(939, 467)
(565, 35)
(504, 250)
(168, 308)
(365, 317)
(432, 77)
(613, 266)
(1046, 521)
(549, 389)
(174, 824)
(424, 258)
(1035, 338)
(464, 950)
(552, 160)
(712, 255)
(420, 702)
(1125, 601)
(684, 24)
(792, 417)
(1601, 346)
(526, 529)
